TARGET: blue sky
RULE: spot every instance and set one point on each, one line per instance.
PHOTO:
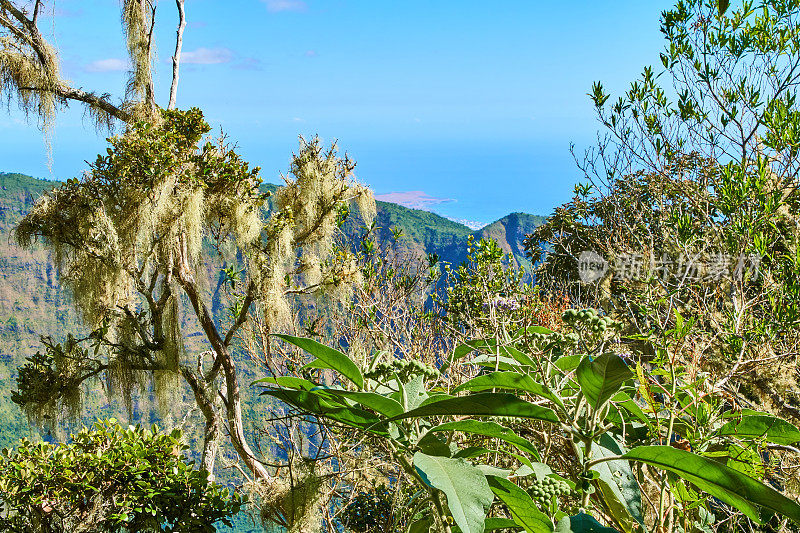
(467, 108)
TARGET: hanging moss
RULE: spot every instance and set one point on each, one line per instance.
(128, 239)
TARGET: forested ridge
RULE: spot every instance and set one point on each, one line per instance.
(34, 304)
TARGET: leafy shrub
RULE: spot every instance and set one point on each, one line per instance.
(549, 435)
(109, 479)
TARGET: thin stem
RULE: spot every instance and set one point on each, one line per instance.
(176, 59)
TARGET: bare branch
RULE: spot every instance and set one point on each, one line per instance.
(176, 59)
(36, 11)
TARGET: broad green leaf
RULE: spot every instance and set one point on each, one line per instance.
(468, 493)
(523, 510)
(321, 405)
(382, 404)
(582, 523)
(433, 398)
(492, 361)
(489, 429)
(722, 5)
(718, 480)
(493, 523)
(601, 378)
(568, 363)
(519, 356)
(618, 485)
(765, 427)
(413, 393)
(483, 404)
(289, 382)
(540, 470)
(530, 330)
(743, 412)
(333, 358)
(315, 364)
(624, 401)
(489, 470)
(509, 380)
(433, 444)
(471, 451)
(467, 348)
(744, 459)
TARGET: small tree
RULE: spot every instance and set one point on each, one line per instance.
(135, 236)
(694, 198)
(109, 479)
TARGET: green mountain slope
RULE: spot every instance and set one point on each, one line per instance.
(32, 303)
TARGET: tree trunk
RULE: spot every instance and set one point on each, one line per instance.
(223, 358)
(210, 446)
(209, 405)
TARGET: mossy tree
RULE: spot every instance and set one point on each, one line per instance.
(128, 242)
(128, 237)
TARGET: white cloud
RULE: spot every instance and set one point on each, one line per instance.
(107, 65)
(412, 199)
(275, 6)
(249, 63)
(207, 56)
(311, 53)
(471, 224)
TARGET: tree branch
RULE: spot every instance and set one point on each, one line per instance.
(176, 59)
(68, 93)
(36, 11)
(242, 318)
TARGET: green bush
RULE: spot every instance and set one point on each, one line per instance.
(109, 479)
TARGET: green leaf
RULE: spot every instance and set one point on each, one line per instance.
(493, 362)
(471, 451)
(509, 380)
(289, 382)
(413, 393)
(467, 348)
(316, 403)
(508, 354)
(317, 364)
(718, 480)
(483, 404)
(521, 506)
(432, 444)
(568, 363)
(333, 358)
(493, 523)
(602, 377)
(582, 523)
(382, 404)
(723, 6)
(489, 429)
(530, 330)
(618, 485)
(468, 493)
(765, 427)
(519, 356)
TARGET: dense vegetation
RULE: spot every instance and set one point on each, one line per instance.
(338, 378)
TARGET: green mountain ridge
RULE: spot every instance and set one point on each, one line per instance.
(34, 304)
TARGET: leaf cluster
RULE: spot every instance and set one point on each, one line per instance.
(112, 479)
